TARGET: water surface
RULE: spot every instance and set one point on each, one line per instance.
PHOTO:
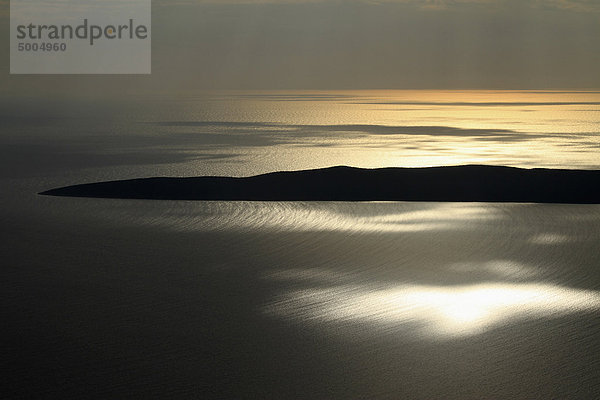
(171, 299)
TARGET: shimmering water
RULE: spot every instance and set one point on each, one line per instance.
(169, 299)
(111, 298)
(248, 133)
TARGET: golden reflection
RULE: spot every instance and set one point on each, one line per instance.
(339, 217)
(393, 217)
(435, 311)
(549, 238)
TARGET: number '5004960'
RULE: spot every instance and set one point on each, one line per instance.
(42, 46)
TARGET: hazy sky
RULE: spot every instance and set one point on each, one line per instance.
(357, 44)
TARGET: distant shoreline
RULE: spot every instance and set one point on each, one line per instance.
(468, 183)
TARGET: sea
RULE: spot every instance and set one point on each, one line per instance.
(124, 299)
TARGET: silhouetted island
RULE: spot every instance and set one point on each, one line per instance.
(475, 183)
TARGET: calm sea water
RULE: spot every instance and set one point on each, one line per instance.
(166, 299)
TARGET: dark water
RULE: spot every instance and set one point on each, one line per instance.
(151, 299)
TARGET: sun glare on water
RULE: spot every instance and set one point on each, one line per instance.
(434, 311)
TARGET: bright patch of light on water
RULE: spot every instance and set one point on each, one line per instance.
(433, 311)
(300, 216)
(549, 238)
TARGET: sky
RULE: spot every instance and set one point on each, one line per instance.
(353, 44)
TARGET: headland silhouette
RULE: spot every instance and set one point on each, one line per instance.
(467, 183)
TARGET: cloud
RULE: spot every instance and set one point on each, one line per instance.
(266, 134)
(568, 5)
(573, 5)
